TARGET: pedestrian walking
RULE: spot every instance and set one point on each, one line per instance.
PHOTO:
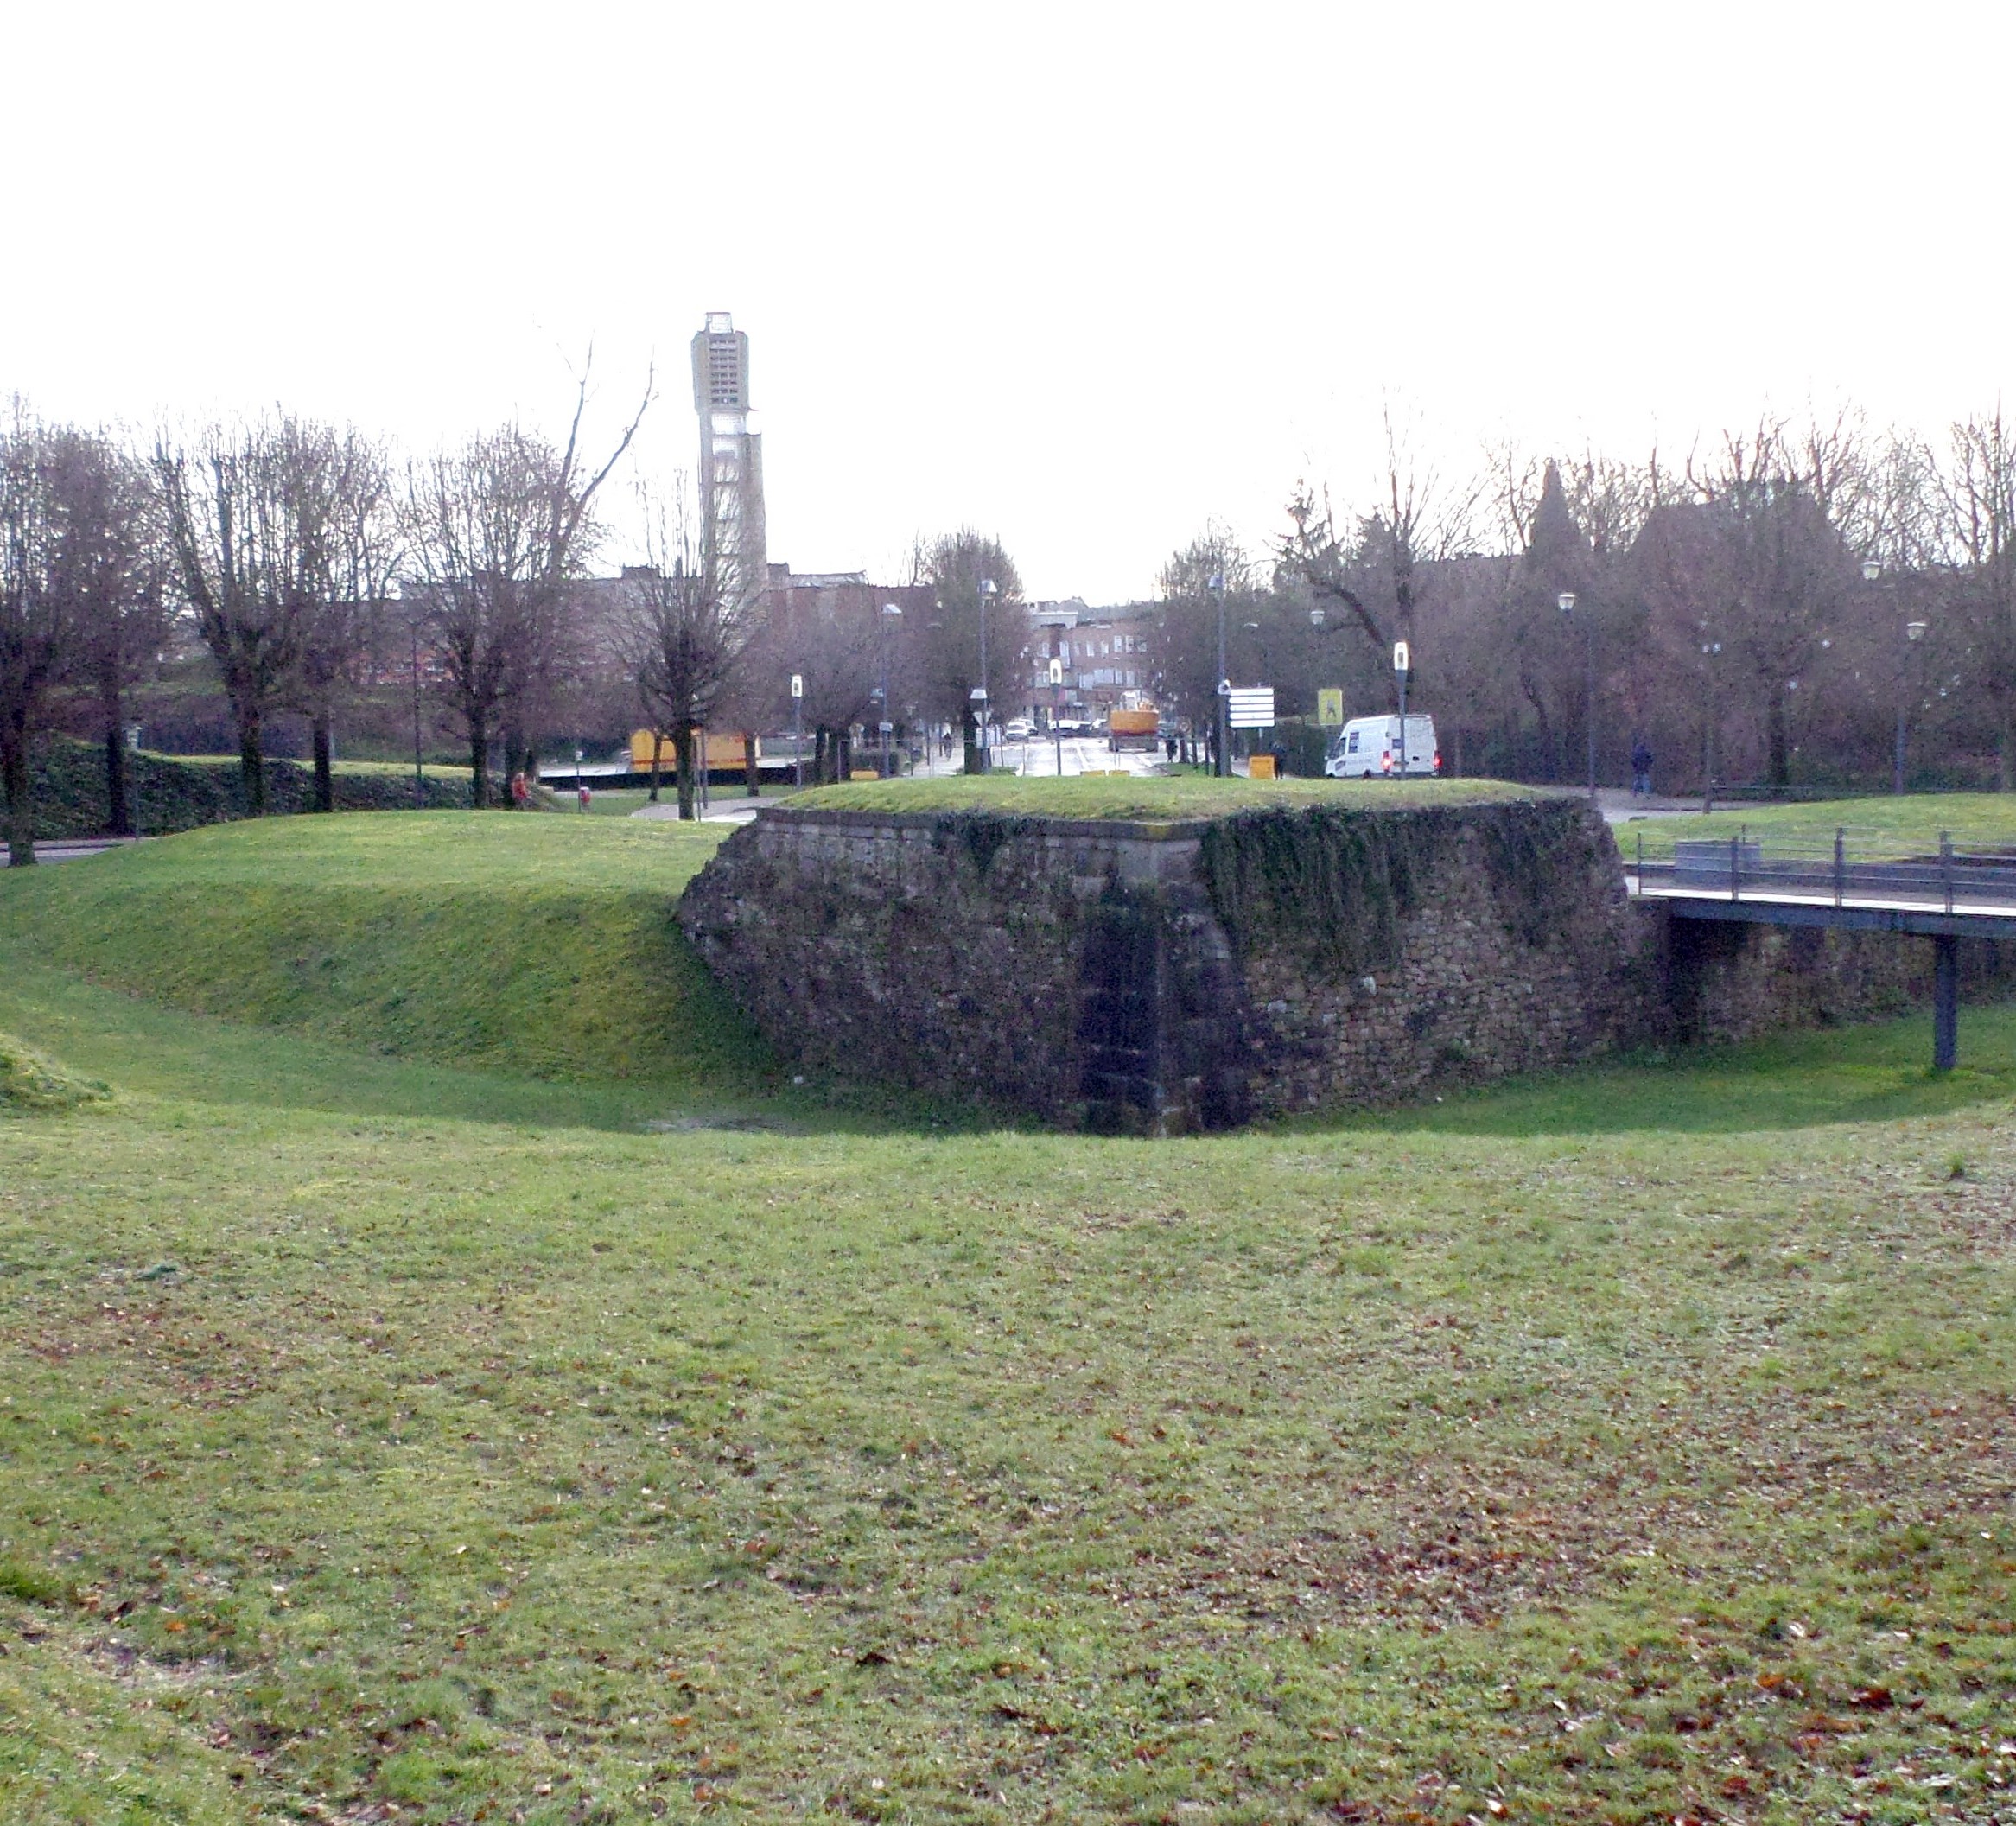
(521, 794)
(1641, 770)
(586, 793)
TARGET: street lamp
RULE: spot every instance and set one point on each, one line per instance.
(890, 612)
(1567, 600)
(1914, 631)
(1221, 762)
(797, 728)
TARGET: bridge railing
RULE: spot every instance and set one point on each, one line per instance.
(1837, 868)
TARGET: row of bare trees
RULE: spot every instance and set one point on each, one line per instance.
(703, 655)
(1774, 607)
(299, 555)
(82, 595)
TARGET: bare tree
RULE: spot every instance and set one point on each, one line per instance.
(496, 532)
(355, 512)
(37, 624)
(954, 568)
(1976, 499)
(109, 564)
(689, 618)
(1780, 505)
(1373, 567)
(248, 523)
(1185, 656)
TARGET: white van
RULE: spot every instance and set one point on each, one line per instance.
(1365, 749)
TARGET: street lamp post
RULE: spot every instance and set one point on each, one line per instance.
(979, 693)
(1057, 709)
(1567, 599)
(890, 612)
(1709, 651)
(797, 728)
(1222, 760)
(1914, 631)
(419, 787)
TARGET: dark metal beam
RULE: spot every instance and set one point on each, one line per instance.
(1945, 1003)
(1928, 923)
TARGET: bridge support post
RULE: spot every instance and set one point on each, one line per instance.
(1945, 1003)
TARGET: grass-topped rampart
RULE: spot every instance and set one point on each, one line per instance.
(541, 946)
(1147, 799)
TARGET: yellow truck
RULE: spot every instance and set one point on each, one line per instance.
(723, 753)
(1133, 730)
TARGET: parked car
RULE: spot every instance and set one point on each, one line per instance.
(1367, 747)
(1019, 728)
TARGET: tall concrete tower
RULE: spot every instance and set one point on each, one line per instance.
(731, 459)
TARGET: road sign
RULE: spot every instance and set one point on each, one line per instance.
(798, 684)
(1329, 706)
(1402, 662)
(1252, 708)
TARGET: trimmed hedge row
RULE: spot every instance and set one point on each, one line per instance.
(69, 786)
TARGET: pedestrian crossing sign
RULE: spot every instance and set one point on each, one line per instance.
(1330, 706)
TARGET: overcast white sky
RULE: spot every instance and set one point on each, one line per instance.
(1079, 275)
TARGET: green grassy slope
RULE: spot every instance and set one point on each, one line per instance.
(1910, 825)
(536, 946)
(1188, 796)
(32, 1083)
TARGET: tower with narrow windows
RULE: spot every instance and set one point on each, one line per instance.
(731, 461)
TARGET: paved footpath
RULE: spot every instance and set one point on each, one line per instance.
(64, 849)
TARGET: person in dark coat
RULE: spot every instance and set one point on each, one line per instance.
(1641, 770)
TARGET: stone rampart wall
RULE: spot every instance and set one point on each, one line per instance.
(1167, 978)
(1163, 978)
(1733, 982)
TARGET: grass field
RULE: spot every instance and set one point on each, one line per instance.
(1892, 827)
(1187, 796)
(383, 1437)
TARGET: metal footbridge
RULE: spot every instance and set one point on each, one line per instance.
(1953, 894)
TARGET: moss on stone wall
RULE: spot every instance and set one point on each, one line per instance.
(981, 834)
(1335, 884)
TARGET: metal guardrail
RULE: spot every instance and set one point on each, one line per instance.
(1745, 866)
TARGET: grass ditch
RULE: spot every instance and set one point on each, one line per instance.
(457, 1466)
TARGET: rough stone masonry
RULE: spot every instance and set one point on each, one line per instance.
(1165, 977)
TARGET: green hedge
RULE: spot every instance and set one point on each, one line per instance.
(69, 786)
